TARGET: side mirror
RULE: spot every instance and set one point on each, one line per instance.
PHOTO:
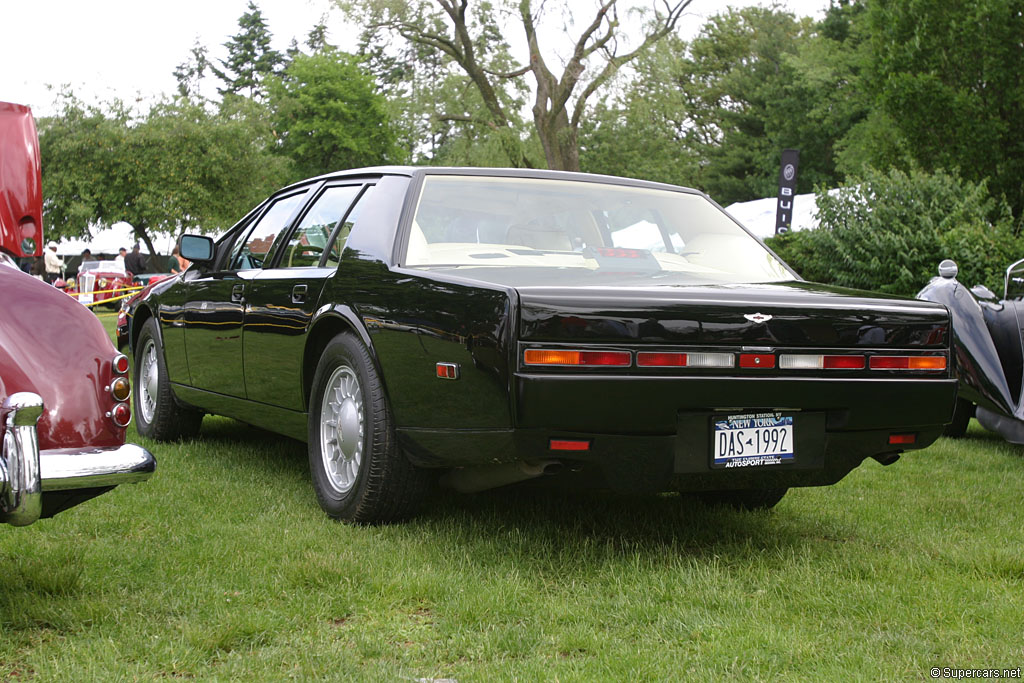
(197, 248)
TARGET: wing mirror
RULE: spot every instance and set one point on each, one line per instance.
(197, 248)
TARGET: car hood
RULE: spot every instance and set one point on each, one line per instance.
(55, 347)
(793, 314)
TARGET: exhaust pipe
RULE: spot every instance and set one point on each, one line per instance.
(474, 479)
(886, 458)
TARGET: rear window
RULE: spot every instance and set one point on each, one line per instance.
(533, 222)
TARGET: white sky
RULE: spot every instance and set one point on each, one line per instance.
(129, 48)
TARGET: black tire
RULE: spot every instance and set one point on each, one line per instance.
(359, 473)
(963, 411)
(157, 415)
(748, 499)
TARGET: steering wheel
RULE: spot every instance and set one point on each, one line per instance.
(303, 247)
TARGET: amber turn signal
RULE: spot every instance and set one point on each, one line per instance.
(120, 389)
(573, 357)
(908, 363)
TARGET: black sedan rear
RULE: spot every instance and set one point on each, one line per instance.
(494, 326)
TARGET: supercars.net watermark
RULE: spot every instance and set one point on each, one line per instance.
(959, 674)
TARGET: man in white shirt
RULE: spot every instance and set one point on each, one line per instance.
(54, 263)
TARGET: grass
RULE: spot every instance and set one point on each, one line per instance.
(222, 566)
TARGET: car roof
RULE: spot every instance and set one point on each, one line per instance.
(412, 171)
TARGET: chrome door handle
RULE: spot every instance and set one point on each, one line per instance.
(237, 294)
(299, 294)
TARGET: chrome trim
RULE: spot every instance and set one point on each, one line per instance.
(21, 500)
(82, 468)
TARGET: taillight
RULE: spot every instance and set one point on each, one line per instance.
(908, 363)
(820, 362)
(660, 359)
(564, 357)
(121, 415)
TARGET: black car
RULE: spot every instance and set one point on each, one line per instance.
(988, 342)
(493, 326)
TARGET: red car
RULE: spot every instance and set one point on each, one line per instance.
(99, 281)
(63, 386)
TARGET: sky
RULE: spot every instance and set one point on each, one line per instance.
(128, 49)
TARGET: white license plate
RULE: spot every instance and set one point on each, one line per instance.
(752, 439)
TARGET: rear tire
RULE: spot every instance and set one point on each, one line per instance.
(963, 411)
(157, 415)
(359, 473)
(749, 499)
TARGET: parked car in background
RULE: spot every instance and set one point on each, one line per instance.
(987, 340)
(99, 281)
(493, 326)
(64, 389)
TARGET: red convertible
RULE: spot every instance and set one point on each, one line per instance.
(64, 400)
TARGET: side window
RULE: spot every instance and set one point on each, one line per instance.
(309, 240)
(345, 229)
(252, 247)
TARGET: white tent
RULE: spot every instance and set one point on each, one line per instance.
(108, 241)
(758, 216)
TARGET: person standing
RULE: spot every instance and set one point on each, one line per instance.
(54, 264)
(134, 262)
(119, 259)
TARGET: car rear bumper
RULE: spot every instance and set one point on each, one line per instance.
(26, 472)
(656, 435)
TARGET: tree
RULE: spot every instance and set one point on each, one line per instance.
(190, 73)
(329, 115)
(250, 58)
(559, 101)
(948, 75)
(177, 168)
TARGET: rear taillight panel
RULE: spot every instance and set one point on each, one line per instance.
(759, 362)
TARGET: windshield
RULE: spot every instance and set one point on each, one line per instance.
(108, 267)
(534, 222)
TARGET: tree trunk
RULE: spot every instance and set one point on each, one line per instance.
(154, 263)
(559, 139)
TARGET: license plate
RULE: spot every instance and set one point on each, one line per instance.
(752, 439)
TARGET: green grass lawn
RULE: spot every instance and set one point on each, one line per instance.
(222, 566)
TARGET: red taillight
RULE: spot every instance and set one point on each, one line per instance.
(757, 360)
(908, 363)
(902, 439)
(568, 445)
(28, 230)
(565, 357)
(120, 364)
(121, 414)
(448, 370)
(843, 362)
(648, 359)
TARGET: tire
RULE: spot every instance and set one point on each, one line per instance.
(359, 473)
(963, 411)
(157, 415)
(749, 499)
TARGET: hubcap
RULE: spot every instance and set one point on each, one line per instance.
(148, 376)
(342, 420)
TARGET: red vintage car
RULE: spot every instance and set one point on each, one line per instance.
(102, 281)
(64, 388)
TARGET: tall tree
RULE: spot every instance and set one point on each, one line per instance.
(329, 115)
(560, 101)
(250, 58)
(190, 73)
(949, 77)
(177, 168)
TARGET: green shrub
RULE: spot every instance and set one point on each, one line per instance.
(887, 231)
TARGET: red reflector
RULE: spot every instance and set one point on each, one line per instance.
(898, 439)
(568, 445)
(651, 359)
(564, 357)
(757, 360)
(121, 364)
(843, 362)
(448, 370)
(908, 363)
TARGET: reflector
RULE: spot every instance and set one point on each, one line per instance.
(757, 360)
(896, 439)
(568, 445)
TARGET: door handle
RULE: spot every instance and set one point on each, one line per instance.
(299, 294)
(237, 294)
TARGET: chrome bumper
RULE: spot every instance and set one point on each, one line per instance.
(26, 472)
